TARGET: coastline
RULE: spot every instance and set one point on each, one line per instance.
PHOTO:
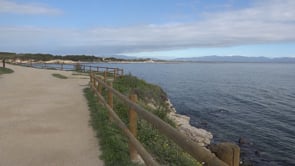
(201, 136)
(61, 61)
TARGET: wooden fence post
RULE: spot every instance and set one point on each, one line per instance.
(110, 98)
(227, 152)
(105, 76)
(133, 128)
(115, 72)
(3, 61)
(91, 80)
(94, 81)
(99, 87)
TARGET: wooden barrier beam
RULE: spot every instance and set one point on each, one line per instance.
(227, 152)
(133, 128)
(110, 98)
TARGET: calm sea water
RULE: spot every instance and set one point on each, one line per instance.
(255, 102)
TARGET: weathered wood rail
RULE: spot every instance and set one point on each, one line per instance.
(201, 154)
(105, 71)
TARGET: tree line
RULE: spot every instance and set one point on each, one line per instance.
(48, 57)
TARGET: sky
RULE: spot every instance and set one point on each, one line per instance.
(163, 29)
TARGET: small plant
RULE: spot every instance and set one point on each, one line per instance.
(59, 76)
(5, 70)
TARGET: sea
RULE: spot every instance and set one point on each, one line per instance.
(253, 103)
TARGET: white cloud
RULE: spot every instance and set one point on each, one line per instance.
(26, 8)
(264, 22)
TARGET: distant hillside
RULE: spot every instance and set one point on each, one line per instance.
(7, 55)
(215, 58)
(84, 58)
(120, 57)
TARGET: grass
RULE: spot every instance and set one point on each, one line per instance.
(5, 70)
(59, 76)
(114, 144)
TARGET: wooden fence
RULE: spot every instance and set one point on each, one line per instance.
(199, 153)
(105, 71)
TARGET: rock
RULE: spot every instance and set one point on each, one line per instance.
(257, 153)
(200, 136)
(243, 141)
(170, 106)
(152, 106)
(204, 123)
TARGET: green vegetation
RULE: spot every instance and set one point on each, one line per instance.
(5, 70)
(59, 76)
(114, 143)
(7, 55)
(47, 57)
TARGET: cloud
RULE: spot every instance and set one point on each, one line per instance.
(26, 8)
(270, 21)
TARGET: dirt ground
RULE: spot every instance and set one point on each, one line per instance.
(44, 120)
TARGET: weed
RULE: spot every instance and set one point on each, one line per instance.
(59, 76)
(5, 70)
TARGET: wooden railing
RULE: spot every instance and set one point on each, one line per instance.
(105, 71)
(199, 153)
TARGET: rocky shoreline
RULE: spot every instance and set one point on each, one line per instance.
(198, 135)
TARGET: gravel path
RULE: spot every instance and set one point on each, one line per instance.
(44, 120)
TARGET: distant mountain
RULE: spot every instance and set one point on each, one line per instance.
(237, 58)
(120, 57)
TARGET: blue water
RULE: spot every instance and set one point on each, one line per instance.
(255, 102)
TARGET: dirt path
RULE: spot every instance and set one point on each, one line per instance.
(44, 120)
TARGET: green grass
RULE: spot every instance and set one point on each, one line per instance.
(114, 143)
(59, 76)
(5, 70)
